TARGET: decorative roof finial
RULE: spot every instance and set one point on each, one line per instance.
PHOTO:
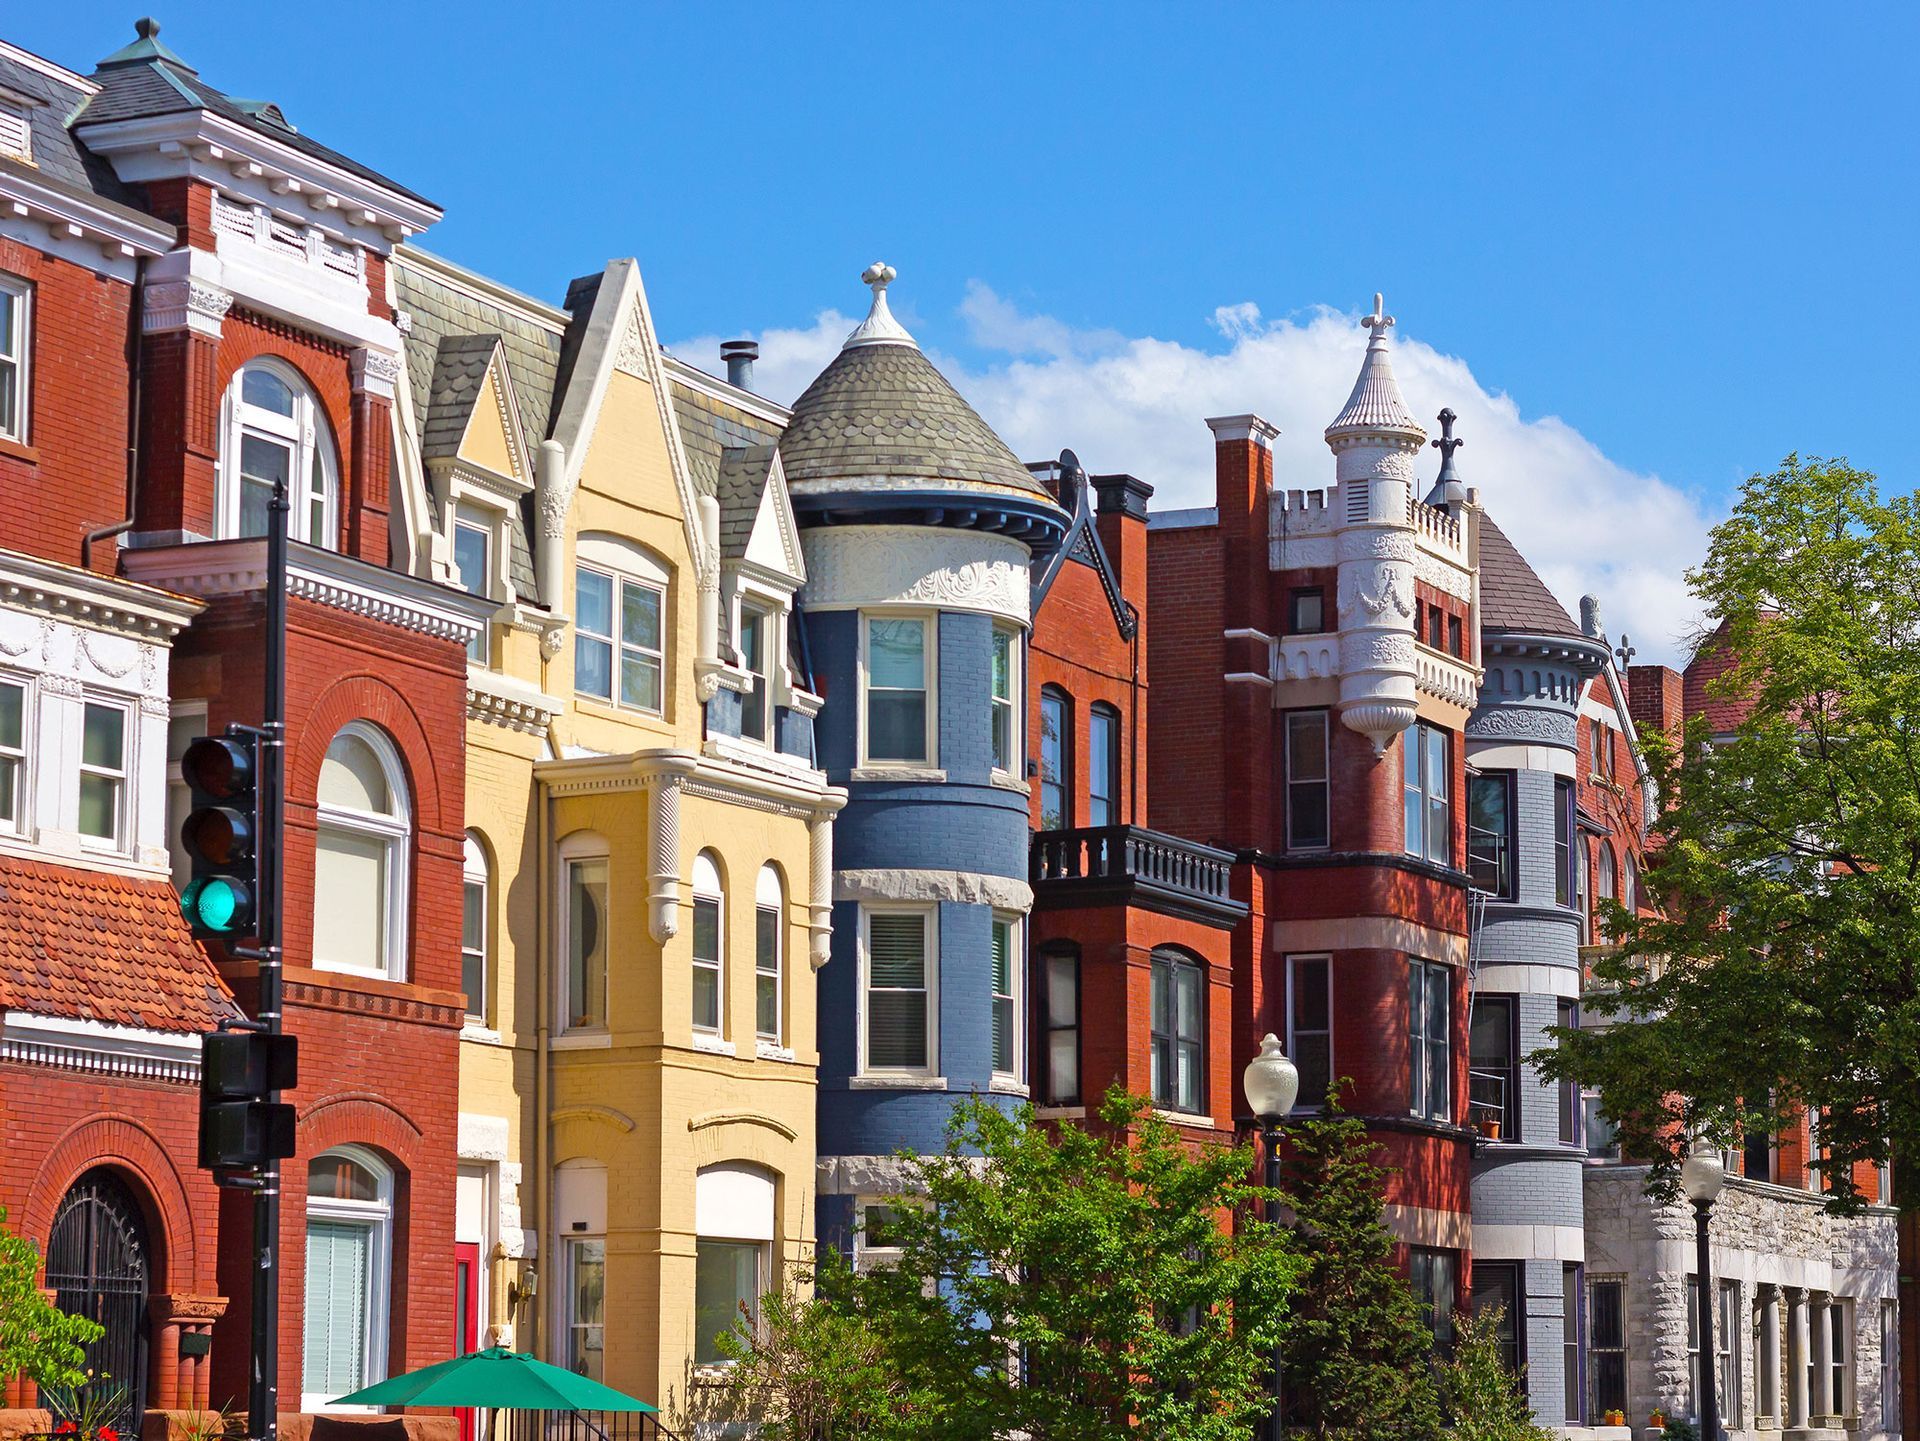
(1379, 320)
(1625, 651)
(879, 328)
(1447, 487)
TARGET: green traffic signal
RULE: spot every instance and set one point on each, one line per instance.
(216, 905)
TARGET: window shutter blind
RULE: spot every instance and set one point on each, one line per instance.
(15, 134)
(896, 991)
(338, 1256)
(1002, 996)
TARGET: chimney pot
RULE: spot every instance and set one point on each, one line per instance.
(740, 356)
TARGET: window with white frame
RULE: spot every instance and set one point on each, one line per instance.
(1426, 763)
(475, 930)
(1062, 1025)
(709, 942)
(1726, 1371)
(583, 936)
(1006, 732)
(349, 1226)
(1310, 1026)
(897, 671)
(185, 726)
(1007, 973)
(1430, 1040)
(1602, 890)
(756, 654)
(733, 1253)
(104, 735)
(1177, 1024)
(16, 312)
(1889, 1364)
(360, 855)
(620, 624)
(276, 431)
(473, 563)
(769, 980)
(876, 1234)
(898, 964)
(13, 754)
(580, 1310)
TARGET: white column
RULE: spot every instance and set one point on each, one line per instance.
(820, 889)
(1766, 1382)
(663, 890)
(1820, 1393)
(1796, 1417)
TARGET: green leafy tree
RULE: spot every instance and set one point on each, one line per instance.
(37, 1339)
(1482, 1395)
(1358, 1350)
(1784, 971)
(1061, 1284)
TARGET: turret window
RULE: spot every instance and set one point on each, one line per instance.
(1006, 649)
(898, 674)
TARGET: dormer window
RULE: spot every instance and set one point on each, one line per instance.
(276, 430)
(756, 633)
(16, 127)
(473, 551)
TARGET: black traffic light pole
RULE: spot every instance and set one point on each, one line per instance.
(263, 1392)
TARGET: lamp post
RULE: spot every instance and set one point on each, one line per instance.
(1702, 1175)
(1272, 1083)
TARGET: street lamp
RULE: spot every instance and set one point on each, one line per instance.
(1702, 1175)
(1272, 1083)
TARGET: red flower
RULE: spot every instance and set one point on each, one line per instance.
(106, 1433)
(66, 1428)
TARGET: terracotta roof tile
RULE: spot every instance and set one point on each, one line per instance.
(97, 946)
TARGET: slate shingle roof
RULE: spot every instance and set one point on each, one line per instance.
(147, 79)
(441, 312)
(96, 946)
(729, 456)
(459, 370)
(884, 410)
(1512, 597)
(58, 159)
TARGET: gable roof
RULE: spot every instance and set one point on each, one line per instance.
(730, 455)
(98, 946)
(1512, 596)
(146, 78)
(441, 310)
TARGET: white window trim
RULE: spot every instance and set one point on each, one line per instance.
(569, 1324)
(776, 606)
(1012, 770)
(619, 578)
(931, 931)
(379, 1214)
(573, 851)
(118, 843)
(716, 894)
(22, 822)
(769, 879)
(397, 832)
(308, 430)
(20, 292)
(1016, 978)
(481, 875)
(491, 523)
(930, 680)
(176, 781)
(1324, 958)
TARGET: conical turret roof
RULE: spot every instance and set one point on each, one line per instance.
(881, 413)
(1375, 404)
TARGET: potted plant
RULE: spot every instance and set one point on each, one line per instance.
(1614, 1418)
(1658, 1420)
(1490, 1128)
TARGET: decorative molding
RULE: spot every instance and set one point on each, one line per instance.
(853, 566)
(820, 891)
(375, 372)
(1534, 724)
(954, 887)
(513, 705)
(742, 1118)
(184, 304)
(1444, 576)
(374, 1003)
(1243, 427)
(663, 846)
(1375, 594)
(607, 1115)
(630, 356)
(1371, 542)
(92, 1046)
(66, 593)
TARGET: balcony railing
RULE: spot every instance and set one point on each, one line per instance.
(1130, 865)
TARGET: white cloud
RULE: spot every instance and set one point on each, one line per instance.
(1585, 522)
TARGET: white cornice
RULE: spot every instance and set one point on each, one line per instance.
(204, 146)
(239, 567)
(39, 64)
(78, 1045)
(116, 235)
(513, 704)
(1243, 427)
(86, 597)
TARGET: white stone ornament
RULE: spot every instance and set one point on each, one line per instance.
(879, 328)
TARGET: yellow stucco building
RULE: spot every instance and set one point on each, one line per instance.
(649, 840)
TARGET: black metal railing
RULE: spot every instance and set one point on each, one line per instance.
(1129, 862)
(577, 1426)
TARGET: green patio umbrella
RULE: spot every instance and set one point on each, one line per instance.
(496, 1379)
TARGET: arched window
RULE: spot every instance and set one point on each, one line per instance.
(349, 1267)
(709, 942)
(733, 1211)
(276, 429)
(360, 861)
(1603, 888)
(1056, 759)
(1630, 884)
(583, 933)
(476, 930)
(1178, 1024)
(769, 955)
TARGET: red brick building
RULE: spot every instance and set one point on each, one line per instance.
(1315, 658)
(196, 305)
(1131, 966)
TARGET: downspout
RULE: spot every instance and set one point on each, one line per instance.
(1133, 722)
(137, 319)
(544, 1242)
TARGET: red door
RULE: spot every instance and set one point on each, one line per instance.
(466, 1303)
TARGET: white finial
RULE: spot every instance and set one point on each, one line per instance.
(879, 328)
(1379, 320)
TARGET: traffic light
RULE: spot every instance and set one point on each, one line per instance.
(239, 1127)
(221, 901)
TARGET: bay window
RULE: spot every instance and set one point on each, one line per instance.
(1308, 788)
(1493, 1068)
(1007, 974)
(1496, 1287)
(1426, 756)
(1566, 869)
(733, 1253)
(361, 855)
(1004, 687)
(1607, 1343)
(769, 980)
(897, 673)
(474, 929)
(1430, 1040)
(1435, 1276)
(897, 983)
(1490, 833)
(1310, 1027)
(1061, 1041)
(583, 941)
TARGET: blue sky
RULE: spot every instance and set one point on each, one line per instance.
(1687, 233)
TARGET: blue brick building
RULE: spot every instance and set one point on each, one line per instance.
(921, 531)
